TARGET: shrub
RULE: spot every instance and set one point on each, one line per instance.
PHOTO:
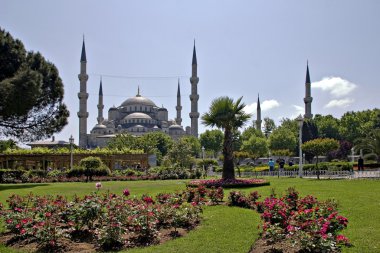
(77, 171)
(93, 166)
(311, 225)
(11, 175)
(56, 173)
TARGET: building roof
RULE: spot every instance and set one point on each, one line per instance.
(137, 115)
(47, 143)
(175, 127)
(99, 126)
(138, 100)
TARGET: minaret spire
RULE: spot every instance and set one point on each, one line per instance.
(100, 104)
(178, 107)
(83, 54)
(194, 97)
(138, 91)
(258, 111)
(194, 55)
(308, 99)
(83, 96)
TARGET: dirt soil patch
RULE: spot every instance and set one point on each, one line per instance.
(80, 244)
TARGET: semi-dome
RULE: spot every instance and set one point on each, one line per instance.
(138, 100)
(99, 126)
(175, 127)
(137, 115)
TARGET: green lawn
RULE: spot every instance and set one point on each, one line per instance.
(227, 229)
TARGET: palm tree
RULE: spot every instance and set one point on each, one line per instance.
(370, 143)
(229, 115)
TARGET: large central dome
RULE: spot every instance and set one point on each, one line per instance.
(138, 100)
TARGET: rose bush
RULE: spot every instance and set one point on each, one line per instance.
(113, 221)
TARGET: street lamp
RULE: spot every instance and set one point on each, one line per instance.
(203, 158)
(300, 124)
(71, 140)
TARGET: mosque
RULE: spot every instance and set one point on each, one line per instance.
(136, 115)
(139, 115)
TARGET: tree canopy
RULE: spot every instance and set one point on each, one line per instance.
(320, 146)
(282, 139)
(229, 115)
(370, 144)
(212, 140)
(31, 93)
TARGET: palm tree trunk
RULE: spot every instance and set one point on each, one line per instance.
(228, 160)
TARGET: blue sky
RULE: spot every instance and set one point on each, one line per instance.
(243, 48)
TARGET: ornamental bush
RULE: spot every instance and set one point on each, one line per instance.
(114, 221)
(306, 223)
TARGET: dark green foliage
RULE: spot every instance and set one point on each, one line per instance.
(229, 115)
(91, 166)
(212, 140)
(309, 132)
(328, 126)
(370, 144)
(157, 143)
(269, 126)
(31, 93)
(8, 144)
(355, 125)
(11, 175)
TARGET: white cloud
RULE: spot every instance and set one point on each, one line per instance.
(266, 105)
(337, 86)
(269, 104)
(298, 110)
(342, 103)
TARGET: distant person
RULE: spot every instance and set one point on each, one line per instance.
(281, 164)
(291, 163)
(360, 164)
(271, 165)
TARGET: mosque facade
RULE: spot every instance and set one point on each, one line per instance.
(136, 115)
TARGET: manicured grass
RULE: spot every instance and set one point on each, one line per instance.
(227, 229)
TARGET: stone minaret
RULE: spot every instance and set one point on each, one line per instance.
(308, 99)
(178, 107)
(83, 96)
(194, 97)
(100, 104)
(258, 120)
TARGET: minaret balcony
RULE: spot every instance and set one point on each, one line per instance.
(194, 114)
(82, 114)
(82, 95)
(83, 77)
(308, 99)
(194, 97)
(194, 80)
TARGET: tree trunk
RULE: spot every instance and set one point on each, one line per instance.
(228, 159)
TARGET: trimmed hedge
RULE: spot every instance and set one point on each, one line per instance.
(332, 166)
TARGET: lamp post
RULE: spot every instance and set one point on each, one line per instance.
(71, 140)
(300, 124)
(203, 158)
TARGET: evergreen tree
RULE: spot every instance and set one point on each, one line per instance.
(31, 93)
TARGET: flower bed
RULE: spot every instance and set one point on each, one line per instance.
(293, 224)
(102, 221)
(229, 183)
